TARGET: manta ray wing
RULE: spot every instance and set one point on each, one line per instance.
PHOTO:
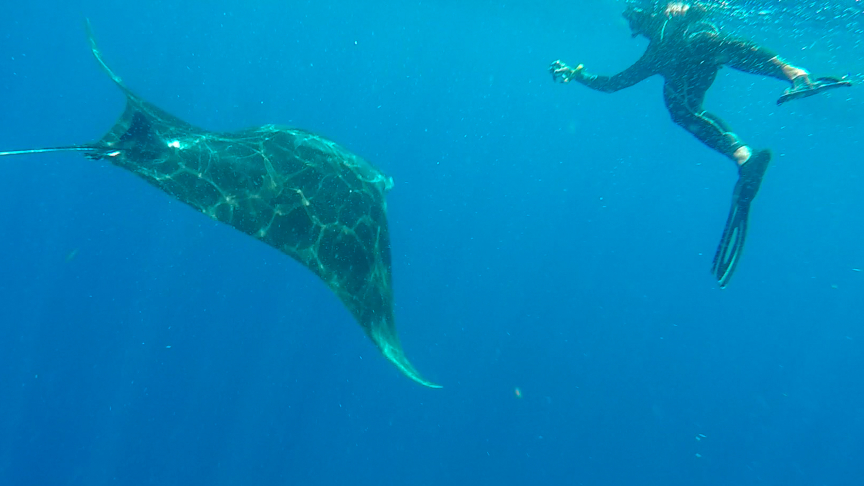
(303, 195)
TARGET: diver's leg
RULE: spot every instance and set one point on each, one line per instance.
(752, 58)
(743, 152)
(709, 129)
(746, 56)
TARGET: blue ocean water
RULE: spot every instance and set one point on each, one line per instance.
(551, 255)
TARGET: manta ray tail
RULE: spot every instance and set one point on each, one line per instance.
(70, 148)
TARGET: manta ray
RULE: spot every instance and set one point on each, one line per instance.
(300, 193)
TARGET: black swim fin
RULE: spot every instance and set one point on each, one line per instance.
(732, 243)
(816, 87)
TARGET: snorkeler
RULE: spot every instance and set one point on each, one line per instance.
(688, 52)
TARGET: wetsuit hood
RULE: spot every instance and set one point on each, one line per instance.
(639, 19)
(651, 20)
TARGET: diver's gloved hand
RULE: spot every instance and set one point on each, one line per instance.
(564, 73)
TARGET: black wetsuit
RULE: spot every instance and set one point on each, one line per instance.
(688, 57)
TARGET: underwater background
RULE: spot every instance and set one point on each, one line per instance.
(551, 256)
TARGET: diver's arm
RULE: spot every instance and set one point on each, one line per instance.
(640, 70)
